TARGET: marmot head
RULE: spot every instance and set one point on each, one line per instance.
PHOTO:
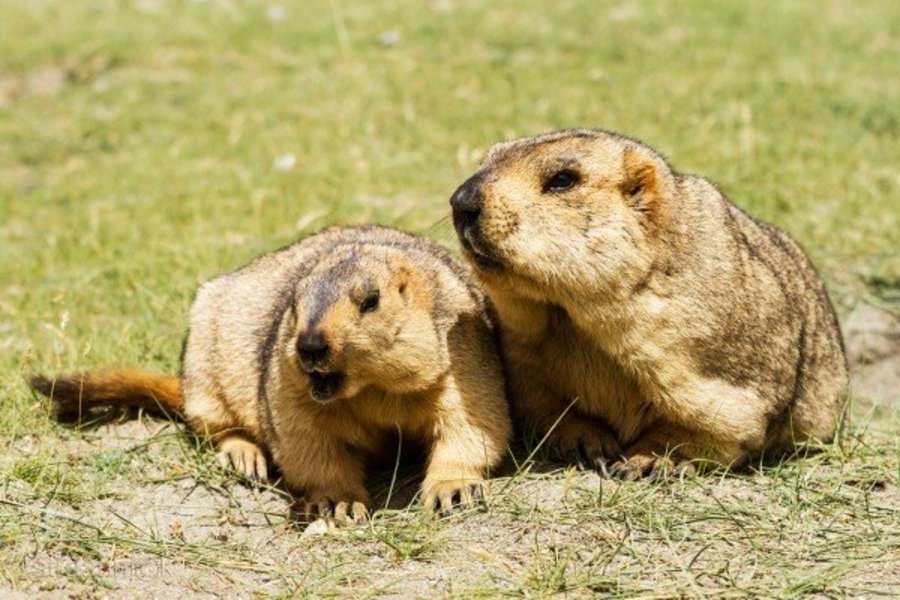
(573, 212)
(363, 318)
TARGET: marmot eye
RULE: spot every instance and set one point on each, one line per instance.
(562, 181)
(370, 302)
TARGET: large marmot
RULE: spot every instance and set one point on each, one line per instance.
(646, 320)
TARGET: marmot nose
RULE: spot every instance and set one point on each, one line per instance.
(466, 202)
(312, 348)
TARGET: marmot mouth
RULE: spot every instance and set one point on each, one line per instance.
(482, 259)
(324, 385)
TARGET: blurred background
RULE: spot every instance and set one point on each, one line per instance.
(148, 145)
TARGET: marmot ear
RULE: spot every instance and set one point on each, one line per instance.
(402, 276)
(644, 182)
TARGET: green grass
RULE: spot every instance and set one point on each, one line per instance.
(138, 143)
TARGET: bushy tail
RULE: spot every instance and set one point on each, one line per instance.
(80, 392)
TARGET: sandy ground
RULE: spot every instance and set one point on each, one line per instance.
(174, 534)
(872, 337)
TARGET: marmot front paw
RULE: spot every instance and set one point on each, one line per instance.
(584, 442)
(344, 509)
(651, 465)
(453, 493)
(243, 456)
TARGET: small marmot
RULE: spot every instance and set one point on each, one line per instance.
(646, 320)
(319, 354)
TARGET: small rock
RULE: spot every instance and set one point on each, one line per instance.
(443, 6)
(389, 38)
(148, 6)
(317, 528)
(276, 13)
(285, 162)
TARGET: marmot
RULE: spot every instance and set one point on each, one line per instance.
(645, 319)
(321, 352)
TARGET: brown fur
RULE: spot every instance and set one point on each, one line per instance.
(137, 389)
(678, 327)
(421, 361)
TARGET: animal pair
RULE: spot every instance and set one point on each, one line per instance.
(646, 324)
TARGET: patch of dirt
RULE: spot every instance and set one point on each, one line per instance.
(872, 337)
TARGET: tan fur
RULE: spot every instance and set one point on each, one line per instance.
(76, 396)
(423, 364)
(678, 327)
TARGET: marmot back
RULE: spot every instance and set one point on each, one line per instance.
(684, 328)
